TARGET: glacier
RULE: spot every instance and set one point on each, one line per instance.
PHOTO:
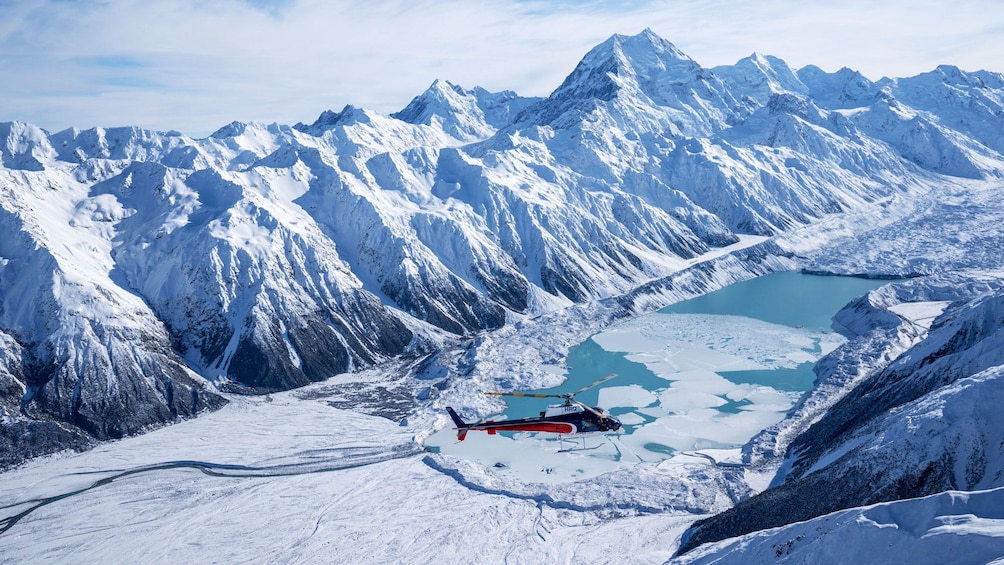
(302, 301)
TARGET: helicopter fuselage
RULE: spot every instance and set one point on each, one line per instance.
(559, 419)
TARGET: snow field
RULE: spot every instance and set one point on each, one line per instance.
(283, 478)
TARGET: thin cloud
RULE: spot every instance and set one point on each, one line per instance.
(195, 65)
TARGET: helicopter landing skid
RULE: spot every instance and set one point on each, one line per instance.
(561, 447)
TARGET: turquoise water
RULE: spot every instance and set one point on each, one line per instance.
(798, 379)
(791, 298)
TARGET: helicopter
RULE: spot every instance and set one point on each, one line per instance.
(568, 418)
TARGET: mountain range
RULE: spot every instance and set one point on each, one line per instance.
(143, 273)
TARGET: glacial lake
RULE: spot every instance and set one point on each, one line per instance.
(712, 371)
(702, 375)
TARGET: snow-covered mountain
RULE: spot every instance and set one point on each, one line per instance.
(142, 271)
(470, 239)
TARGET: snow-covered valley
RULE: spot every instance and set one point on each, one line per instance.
(292, 477)
(385, 267)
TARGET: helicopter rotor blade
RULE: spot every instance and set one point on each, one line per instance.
(526, 394)
(566, 396)
(599, 382)
(590, 408)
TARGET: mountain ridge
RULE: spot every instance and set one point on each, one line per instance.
(267, 256)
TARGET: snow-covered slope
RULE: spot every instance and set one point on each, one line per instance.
(79, 348)
(266, 257)
(949, 527)
(887, 425)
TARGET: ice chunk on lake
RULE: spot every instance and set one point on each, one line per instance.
(680, 342)
(632, 396)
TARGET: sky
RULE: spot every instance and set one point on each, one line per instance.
(196, 65)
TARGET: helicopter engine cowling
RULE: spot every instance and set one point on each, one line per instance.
(610, 424)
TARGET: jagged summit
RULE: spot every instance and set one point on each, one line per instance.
(22, 146)
(232, 129)
(951, 74)
(330, 119)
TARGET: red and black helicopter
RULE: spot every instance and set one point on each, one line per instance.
(568, 418)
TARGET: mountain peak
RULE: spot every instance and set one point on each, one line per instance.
(649, 79)
(644, 54)
(21, 144)
(465, 114)
(330, 119)
(763, 76)
(634, 62)
(762, 61)
(845, 88)
(951, 74)
(441, 98)
(445, 87)
(233, 129)
(648, 42)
